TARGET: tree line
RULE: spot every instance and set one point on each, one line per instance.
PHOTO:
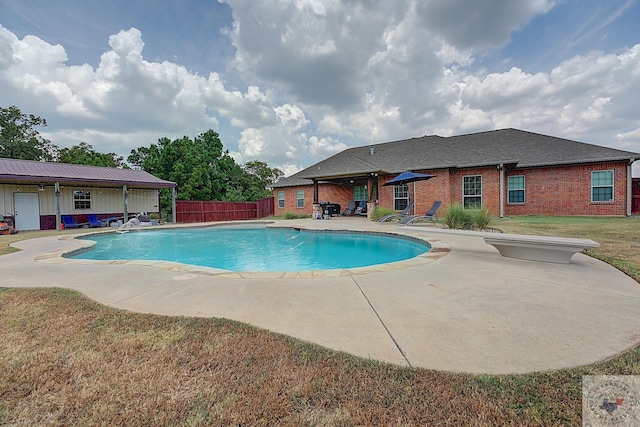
(200, 166)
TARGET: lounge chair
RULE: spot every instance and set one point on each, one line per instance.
(400, 215)
(350, 209)
(94, 221)
(430, 215)
(361, 209)
(69, 222)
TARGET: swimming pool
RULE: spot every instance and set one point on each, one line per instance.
(255, 249)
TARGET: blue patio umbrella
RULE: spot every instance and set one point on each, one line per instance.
(406, 177)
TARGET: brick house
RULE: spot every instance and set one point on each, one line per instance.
(508, 171)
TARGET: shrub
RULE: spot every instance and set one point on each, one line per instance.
(482, 218)
(378, 212)
(456, 217)
(459, 218)
(293, 215)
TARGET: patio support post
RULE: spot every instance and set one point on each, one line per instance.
(315, 191)
(56, 187)
(173, 205)
(501, 168)
(125, 212)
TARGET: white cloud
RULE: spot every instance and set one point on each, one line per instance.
(325, 147)
(291, 116)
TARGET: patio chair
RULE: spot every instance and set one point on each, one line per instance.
(430, 215)
(400, 215)
(69, 222)
(94, 221)
(350, 209)
(361, 209)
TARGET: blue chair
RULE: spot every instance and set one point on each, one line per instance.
(361, 209)
(94, 221)
(350, 209)
(69, 222)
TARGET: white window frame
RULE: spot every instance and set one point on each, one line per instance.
(300, 198)
(82, 200)
(523, 189)
(613, 181)
(469, 196)
(281, 199)
(399, 189)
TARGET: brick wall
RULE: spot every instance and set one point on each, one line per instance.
(562, 190)
(490, 187)
(567, 191)
(326, 193)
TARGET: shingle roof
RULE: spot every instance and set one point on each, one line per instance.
(31, 171)
(507, 146)
(291, 181)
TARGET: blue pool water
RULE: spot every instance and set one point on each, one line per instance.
(254, 249)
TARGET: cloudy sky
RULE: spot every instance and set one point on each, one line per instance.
(291, 82)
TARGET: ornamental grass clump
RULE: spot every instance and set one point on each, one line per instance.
(482, 218)
(294, 215)
(459, 218)
(379, 212)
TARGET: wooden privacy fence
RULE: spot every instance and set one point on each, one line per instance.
(207, 211)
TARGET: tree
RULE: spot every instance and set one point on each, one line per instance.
(261, 177)
(19, 139)
(84, 154)
(203, 170)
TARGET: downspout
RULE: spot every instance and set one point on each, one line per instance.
(501, 169)
(629, 185)
(56, 187)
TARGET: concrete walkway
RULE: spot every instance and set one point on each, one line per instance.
(463, 307)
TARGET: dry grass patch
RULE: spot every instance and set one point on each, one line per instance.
(68, 361)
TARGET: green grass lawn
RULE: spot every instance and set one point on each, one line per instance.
(67, 360)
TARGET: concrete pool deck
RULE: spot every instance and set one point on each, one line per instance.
(463, 308)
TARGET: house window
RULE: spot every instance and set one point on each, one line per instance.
(281, 199)
(472, 191)
(301, 198)
(400, 196)
(359, 193)
(515, 185)
(602, 186)
(81, 199)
